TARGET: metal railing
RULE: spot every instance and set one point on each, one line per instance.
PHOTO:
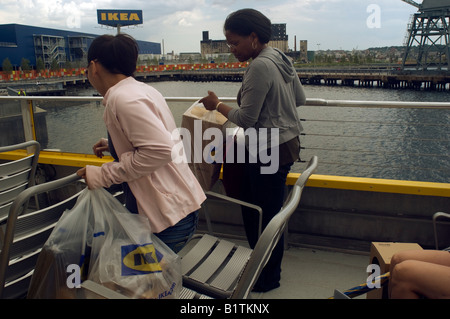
(323, 134)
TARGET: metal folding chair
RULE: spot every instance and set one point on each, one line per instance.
(218, 268)
(16, 175)
(25, 235)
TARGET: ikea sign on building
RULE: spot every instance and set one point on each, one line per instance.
(115, 18)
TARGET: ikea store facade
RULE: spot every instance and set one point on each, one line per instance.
(21, 41)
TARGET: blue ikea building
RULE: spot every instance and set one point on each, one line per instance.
(21, 41)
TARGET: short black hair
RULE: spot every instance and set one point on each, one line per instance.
(117, 53)
(245, 21)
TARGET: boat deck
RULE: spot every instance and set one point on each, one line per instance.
(315, 272)
(309, 273)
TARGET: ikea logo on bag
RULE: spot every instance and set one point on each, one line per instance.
(140, 260)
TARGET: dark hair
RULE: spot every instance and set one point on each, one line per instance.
(245, 21)
(118, 54)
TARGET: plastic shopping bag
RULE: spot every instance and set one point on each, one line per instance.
(108, 245)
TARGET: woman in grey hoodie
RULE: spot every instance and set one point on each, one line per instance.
(268, 99)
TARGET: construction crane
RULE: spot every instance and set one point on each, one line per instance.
(427, 5)
(428, 39)
(413, 3)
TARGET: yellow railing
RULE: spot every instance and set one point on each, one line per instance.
(316, 180)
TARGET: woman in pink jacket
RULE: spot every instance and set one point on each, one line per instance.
(140, 127)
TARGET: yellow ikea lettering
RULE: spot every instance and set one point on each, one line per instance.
(134, 16)
(113, 16)
(143, 259)
(119, 16)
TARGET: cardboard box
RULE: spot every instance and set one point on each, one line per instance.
(381, 254)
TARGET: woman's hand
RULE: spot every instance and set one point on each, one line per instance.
(82, 172)
(210, 102)
(100, 147)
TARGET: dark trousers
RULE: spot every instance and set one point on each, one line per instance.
(266, 191)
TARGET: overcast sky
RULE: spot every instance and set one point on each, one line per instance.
(326, 24)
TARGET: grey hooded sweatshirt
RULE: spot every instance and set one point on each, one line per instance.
(269, 96)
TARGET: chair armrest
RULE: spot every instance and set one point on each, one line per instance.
(435, 217)
(101, 290)
(235, 201)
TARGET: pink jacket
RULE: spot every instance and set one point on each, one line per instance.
(141, 124)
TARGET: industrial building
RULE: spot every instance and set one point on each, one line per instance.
(279, 38)
(212, 49)
(209, 47)
(52, 46)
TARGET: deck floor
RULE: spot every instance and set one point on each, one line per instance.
(314, 274)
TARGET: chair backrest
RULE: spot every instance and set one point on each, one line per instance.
(16, 175)
(26, 234)
(271, 235)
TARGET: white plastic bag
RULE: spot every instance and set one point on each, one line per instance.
(112, 247)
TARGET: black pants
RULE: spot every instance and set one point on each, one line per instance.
(266, 191)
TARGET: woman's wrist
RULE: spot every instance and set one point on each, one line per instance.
(218, 104)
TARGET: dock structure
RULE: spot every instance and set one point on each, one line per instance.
(384, 77)
(392, 80)
(46, 88)
(221, 75)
